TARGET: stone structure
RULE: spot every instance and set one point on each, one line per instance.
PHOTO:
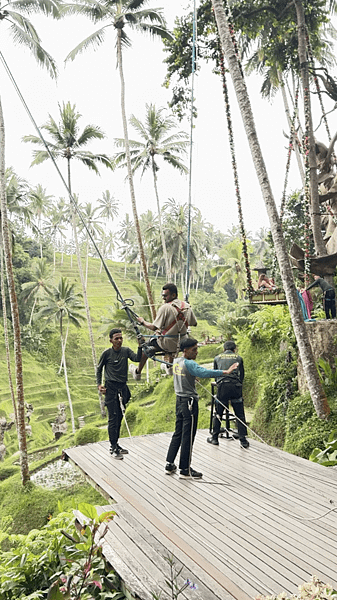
(323, 340)
(4, 426)
(59, 427)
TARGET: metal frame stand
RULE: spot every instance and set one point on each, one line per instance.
(225, 432)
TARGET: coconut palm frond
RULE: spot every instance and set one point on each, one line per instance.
(43, 58)
(92, 41)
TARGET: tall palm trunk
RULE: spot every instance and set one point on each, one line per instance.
(305, 350)
(85, 296)
(303, 59)
(130, 177)
(21, 425)
(162, 235)
(8, 358)
(63, 348)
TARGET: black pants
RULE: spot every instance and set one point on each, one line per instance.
(233, 393)
(187, 410)
(113, 391)
(329, 304)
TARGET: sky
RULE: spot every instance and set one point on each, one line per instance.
(91, 82)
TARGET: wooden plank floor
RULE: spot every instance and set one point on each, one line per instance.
(260, 520)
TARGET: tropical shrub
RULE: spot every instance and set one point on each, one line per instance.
(59, 562)
(87, 435)
(328, 456)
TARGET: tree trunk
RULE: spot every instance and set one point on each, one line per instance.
(85, 298)
(8, 358)
(63, 346)
(162, 235)
(32, 312)
(316, 391)
(302, 55)
(21, 421)
(130, 178)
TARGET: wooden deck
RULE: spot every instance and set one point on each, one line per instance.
(259, 522)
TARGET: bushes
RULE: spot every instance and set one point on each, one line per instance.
(8, 471)
(87, 435)
(31, 507)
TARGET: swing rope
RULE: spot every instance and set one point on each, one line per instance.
(189, 217)
(250, 288)
(317, 85)
(290, 149)
(126, 304)
(235, 173)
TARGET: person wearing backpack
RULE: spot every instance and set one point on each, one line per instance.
(229, 389)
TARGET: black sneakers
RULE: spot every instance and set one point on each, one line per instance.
(189, 474)
(170, 468)
(116, 453)
(122, 450)
(244, 443)
(213, 441)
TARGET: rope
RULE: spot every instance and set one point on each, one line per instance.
(307, 199)
(290, 149)
(235, 171)
(188, 248)
(318, 88)
(126, 303)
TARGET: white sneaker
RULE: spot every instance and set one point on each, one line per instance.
(169, 370)
(132, 370)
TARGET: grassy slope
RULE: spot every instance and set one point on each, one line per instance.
(45, 389)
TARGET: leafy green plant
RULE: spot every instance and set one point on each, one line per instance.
(175, 588)
(327, 374)
(84, 569)
(43, 564)
(328, 456)
(313, 590)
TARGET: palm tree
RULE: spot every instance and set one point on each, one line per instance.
(24, 33)
(63, 306)
(176, 218)
(68, 143)
(109, 210)
(38, 286)
(127, 241)
(233, 268)
(118, 14)
(92, 226)
(317, 394)
(54, 225)
(40, 203)
(17, 197)
(157, 143)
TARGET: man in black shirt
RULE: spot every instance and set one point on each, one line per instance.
(229, 389)
(115, 363)
(329, 302)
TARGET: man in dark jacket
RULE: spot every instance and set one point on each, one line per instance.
(115, 363)
(329, 302)
(229, 389)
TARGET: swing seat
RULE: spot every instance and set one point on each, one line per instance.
(276, 296)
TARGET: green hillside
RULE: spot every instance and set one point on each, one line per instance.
(45, 389)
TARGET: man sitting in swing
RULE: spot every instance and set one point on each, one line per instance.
(170, 325)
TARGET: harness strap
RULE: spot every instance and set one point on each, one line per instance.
(179, 317)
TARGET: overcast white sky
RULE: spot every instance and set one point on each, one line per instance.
(92, 83)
